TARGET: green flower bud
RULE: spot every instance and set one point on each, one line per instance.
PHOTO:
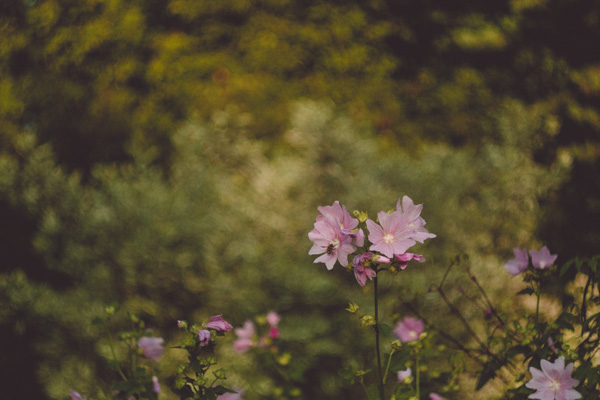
(367, 320)
(397, 344)
(352, 307)
(220, 373)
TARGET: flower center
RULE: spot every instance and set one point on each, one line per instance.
(389, 238)
(333, 245)
(554, 385)
(542, 264)
(413, 334)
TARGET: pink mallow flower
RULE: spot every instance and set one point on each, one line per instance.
(409, 329)
(331, 242)
(415, 221)
(361, 270)
(155, 385)
(151, 347)
(76, 396)
(338, 214)
(553, 381)
(402, 375)
(204, 337)
(435, 396)
(245, 337)
(273, 318)
(273, 332)
(218, 324)
(518, 264)
(393, 236)
(232, 396)
(403, 259)
(542, 258)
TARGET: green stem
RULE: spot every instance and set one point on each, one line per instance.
(112, 351)
(418, 377)
(537, 305)
(381, 395)
(387, 367)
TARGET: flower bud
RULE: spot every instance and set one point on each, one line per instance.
(367, 320)
(353, 308)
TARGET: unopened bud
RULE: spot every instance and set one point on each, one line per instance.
(367, 320)
(353, 308)
(220, 373)
(397, 344)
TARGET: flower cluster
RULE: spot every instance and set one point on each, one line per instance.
(541, 259)
(247, 337)
(336, 235)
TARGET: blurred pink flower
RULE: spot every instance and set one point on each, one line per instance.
(151, 347)
(551, 345)
(245, 339)
(409, 329)
(518, 264)
(218, 324)
(155, 385)
(406, 257)
(542, 258)
(393, 236)
(361, 271)
(402, 375)
(273, 318)
(415, 222)
(329, 241)
(242, 345)
(273, 332)
(232, 396)
(435, 396)
(204, 337)
(553, 381)
(76, 396)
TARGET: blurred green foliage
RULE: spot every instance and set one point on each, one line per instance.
(155, 153)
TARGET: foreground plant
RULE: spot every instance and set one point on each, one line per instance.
(337, 235)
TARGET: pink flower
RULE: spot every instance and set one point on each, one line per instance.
(394, 234)
(242, 345)
(542, 258)
(406, 257)
(435, 396)
(218, 324)
(155, 385)
(273, 318)
(415, 221)
(553, 382)
(551, 344)
(76, 396)
(204, 337)
(518, 264)
(361, 270)
(329, 241)
(409, 329)
(273, 332)
(151, 347)
(245, 336)
(338, 214)
(232, 396)
(402, 375)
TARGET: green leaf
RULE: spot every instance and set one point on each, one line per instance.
(527, 290)
(385, 330)
(489, 372)
(399, 359)
(372, 392)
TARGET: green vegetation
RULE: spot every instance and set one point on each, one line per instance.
(170, 155)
